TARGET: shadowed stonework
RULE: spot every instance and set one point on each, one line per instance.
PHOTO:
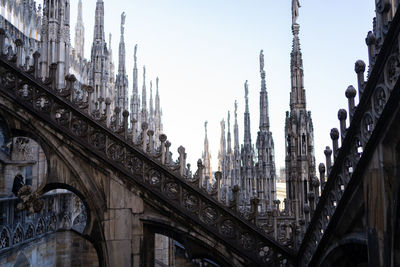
(58, 249)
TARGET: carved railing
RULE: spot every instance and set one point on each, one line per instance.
(136, 157)
(19, 227)
(379, 97)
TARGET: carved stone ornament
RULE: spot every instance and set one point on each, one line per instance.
(210, 215)
(8, 80)
(24, 91)
(18, 235)
(61, 116)
(134, 164)
(172, 190)
(379, 100)
(191, 202)
(392, 71)
(115, 152)
(367, 125)
(42, 103)
(30, 232)
(41, 227)
(247, 241)
(98, 140)
(4, 239)
(155, 178)
(228, 228)
(79, 127)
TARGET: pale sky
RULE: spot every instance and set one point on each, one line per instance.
(204, 51)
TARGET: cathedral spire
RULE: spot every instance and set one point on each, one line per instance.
(98, 35)
(236, 152)
(151, 109)
(229, 138)
(264, 114)
(236, 130)
(222, 149)
(207, 158)
(79, 33)
(297, 95)
(247, 135)
(121, 82)
(144, 102)
(135, 92)
(121, 66)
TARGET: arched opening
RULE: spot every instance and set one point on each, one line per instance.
(168, 246)
(23, 162)
(350, 252)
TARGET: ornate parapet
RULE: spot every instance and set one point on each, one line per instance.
(20, 226)
(380, 95)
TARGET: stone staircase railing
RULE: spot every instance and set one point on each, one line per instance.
(152, 168)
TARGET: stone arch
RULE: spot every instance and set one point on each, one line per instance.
(352, 250)
(22, 261)
(5, 238)
(195, 248)
(14, 151)
(18, 235)
(83, 232)
(40, 227)
(66, 218)
(30, 231)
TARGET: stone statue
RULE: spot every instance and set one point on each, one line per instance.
(261, 60)
(123, 16)
(134, 55)
(295, 10)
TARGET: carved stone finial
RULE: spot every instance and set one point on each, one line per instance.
(371, 39)
(162, 138)
(125, 113)
(359, 66)
(335, 134)
(342, 114)
(321, 167)
(351, 92)
(328, 150)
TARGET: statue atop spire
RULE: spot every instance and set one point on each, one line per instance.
(261, 61)
(295, 11)
(123, 16)
(134, 54)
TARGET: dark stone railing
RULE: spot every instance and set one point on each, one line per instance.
(151, 168)
(19, 227)
(379, 97)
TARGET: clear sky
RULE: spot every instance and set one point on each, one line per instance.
(203, 51)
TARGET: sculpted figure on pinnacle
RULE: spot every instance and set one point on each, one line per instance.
(295, 11)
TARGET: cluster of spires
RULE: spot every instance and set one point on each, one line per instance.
(100, 75)
(237, 165)
(252, 168)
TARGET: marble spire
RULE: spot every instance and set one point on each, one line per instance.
(80, 34)
(207, 171)
(264, 114)
(121, 81)
(144, 101)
